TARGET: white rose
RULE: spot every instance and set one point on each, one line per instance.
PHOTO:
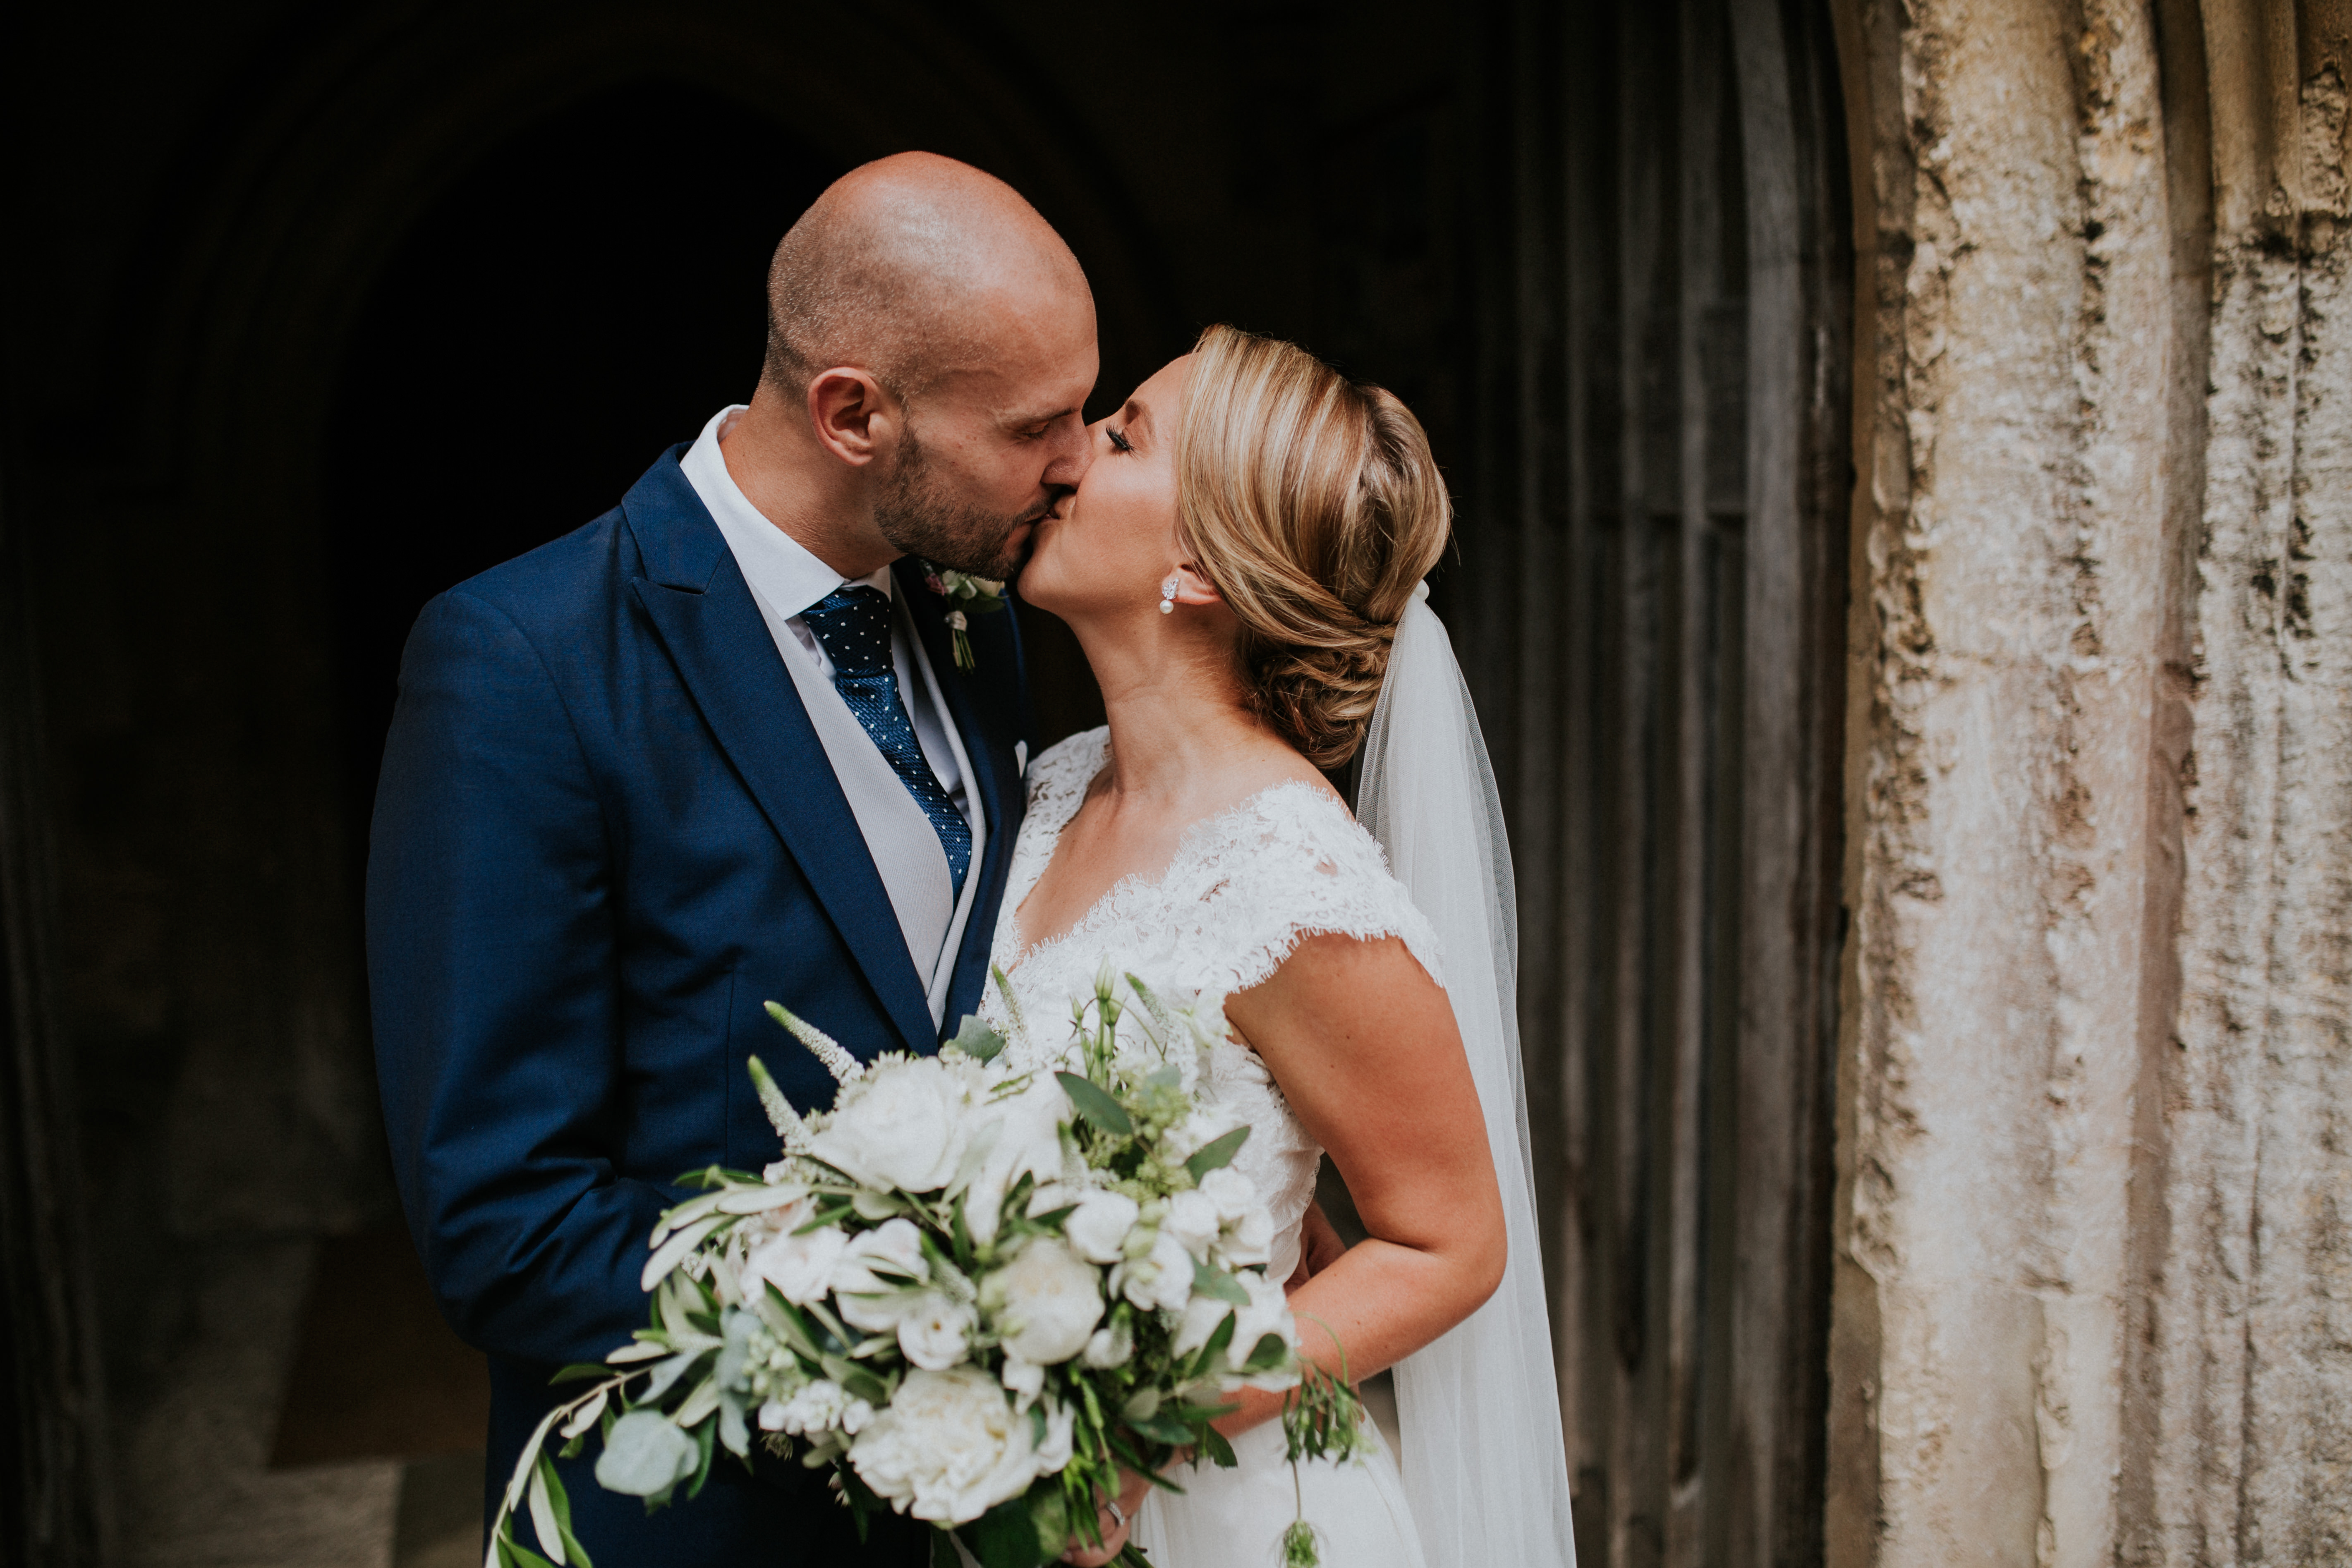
(1110, 1346)
(950, 1447)
(1162, 1278)
(869, 1283)
(800, 1267)
(1097, 1228)
(937, 1333)
(1192, 1220)
(1250, 1241)
(905, 1127)
(1234, 1193)
(1027, 1141)
(1045, 1302)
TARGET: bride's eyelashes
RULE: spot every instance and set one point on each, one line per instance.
(1119, 439)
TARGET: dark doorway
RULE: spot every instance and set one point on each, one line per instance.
(588, 293)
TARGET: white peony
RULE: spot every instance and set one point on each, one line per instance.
(904, 1126)
(1053, 1452)
(1267, 1313)
(869, 1283)
(1202, 1316)
(1234, 1193)
(936, 1332)
(1250, 1241)
(800, 1267)
(1098, 1226)
(1161, 1279)
(1045, 1302)
(1024, 1379)
(950, 1447)
(1026, 1140)
(1192, 1219)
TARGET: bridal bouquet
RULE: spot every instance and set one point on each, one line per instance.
(974, 1294)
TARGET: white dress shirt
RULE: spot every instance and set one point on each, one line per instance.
(787, 581)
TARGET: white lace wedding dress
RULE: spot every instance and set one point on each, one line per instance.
(1244, 887)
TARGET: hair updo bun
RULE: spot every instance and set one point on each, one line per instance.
(1312, 503)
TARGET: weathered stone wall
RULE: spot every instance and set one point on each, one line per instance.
(2095, 1277)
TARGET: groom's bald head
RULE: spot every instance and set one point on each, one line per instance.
(911, 268)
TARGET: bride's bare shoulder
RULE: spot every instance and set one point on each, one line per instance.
(1261, 771)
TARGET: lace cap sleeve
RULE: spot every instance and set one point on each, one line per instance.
(1293, 864)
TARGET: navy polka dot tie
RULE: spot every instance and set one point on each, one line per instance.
(853, 625)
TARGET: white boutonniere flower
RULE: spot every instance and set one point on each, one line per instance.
(967, 596)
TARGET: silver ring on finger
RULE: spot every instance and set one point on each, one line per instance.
(1117, 1514)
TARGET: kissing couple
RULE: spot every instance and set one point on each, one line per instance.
(759, 732)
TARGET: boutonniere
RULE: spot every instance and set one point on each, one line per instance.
(967, 596)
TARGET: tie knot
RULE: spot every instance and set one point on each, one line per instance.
(853, 625)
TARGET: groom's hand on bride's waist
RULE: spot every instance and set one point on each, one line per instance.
(1319, 1246)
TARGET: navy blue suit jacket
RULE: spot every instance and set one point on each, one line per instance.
(605, 834)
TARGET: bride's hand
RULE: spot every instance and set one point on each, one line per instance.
(1116, 1521)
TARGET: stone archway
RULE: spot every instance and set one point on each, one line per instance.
(303, 206)
(222, 1036)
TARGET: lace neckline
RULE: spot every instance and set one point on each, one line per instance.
(1044, 828)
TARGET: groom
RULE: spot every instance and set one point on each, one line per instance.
(714, 749)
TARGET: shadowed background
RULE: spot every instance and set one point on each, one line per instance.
(329, 307)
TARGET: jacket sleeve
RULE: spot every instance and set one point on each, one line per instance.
(494, 991)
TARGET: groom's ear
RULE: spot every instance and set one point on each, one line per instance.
(852, 415)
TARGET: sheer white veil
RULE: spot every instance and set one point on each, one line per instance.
(1485, 1464)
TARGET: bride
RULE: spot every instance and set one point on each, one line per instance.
(1242, 564)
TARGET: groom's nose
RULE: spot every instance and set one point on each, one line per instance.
(1070, 451)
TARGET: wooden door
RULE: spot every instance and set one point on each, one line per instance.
(1654, 601)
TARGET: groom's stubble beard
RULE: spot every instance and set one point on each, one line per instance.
(920, 517)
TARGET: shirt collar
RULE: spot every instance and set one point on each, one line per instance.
(781, 570)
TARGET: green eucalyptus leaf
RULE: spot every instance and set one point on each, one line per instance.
(1217, 1152)
(1271, 1353)
(645, 1455)
(706, 1444)
(1221, 1453)
(1217, 1284)
(1094, 1103)
(977, 1040)
(1050, 1514)
(1005, 1537)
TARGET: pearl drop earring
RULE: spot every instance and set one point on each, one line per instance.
(1168, 597)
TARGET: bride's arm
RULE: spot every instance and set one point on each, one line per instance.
(1364, 1047)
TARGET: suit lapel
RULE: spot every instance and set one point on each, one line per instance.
(989, 748)
(703, 610)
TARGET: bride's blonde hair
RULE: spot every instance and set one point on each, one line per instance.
(1313, 505)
